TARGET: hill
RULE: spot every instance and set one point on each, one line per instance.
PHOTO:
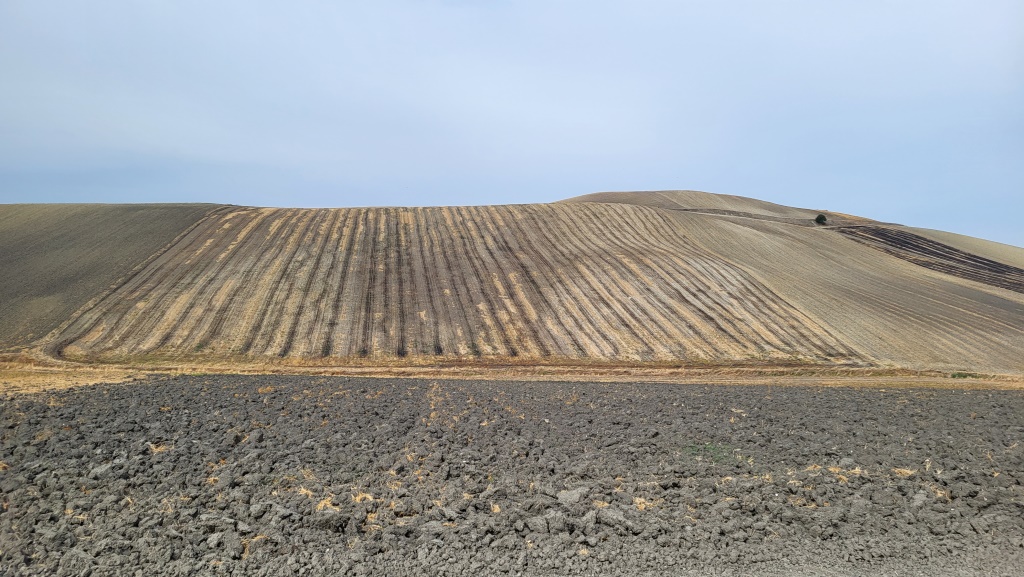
(55, 257)
(669, 277)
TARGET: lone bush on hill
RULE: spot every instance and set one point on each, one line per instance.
(820, 219)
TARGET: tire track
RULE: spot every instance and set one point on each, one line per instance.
(292, 320)
(937, 256)
(358, 222)
(277, 273)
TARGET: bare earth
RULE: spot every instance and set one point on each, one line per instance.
(282, 475)
(664, 383)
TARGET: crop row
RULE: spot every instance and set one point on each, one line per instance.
(563, 280)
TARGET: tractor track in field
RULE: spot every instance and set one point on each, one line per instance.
(937, 256)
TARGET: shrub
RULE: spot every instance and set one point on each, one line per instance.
(820, 219)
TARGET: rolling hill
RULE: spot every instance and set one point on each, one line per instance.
(669, 277)
(55, 257)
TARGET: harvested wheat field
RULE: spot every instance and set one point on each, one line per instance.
(675, 277)
(663, 383)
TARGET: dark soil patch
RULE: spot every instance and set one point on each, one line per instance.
(342, 476)
(938, 256)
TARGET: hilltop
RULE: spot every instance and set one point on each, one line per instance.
(670, 278)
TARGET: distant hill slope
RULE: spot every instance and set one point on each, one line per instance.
(583, 282)
(54, 258)
(717, 204)
(1011, 255)
(672, 276)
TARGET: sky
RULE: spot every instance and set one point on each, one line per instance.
(909, 112)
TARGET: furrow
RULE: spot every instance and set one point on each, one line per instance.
(367, 294)
(434, 313)
(121, 303)
(511, 267)
(602, 323)
(180, 310)
(484, 306)
(310, 326)
(614, 290)
(293, 318)
(258, 336)
(463, 333)
(549, 316)
(352, 235)
(120, 300)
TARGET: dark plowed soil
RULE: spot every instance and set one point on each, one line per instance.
(335, 476)
(938, 256)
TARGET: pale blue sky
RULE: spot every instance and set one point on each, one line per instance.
(904, 111)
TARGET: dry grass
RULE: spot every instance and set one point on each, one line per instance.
(362, 497)
(643, 504)
(23, 379)
(247, 544)
(905, 473)
(327, 504)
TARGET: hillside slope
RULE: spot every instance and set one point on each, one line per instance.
(677, 277)
(586, 281)
(717, 204)
(54, 258)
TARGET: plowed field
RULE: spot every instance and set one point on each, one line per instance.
(265, 475)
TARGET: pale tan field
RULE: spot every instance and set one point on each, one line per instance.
(608, 282)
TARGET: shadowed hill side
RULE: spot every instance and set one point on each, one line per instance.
(54, 258)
